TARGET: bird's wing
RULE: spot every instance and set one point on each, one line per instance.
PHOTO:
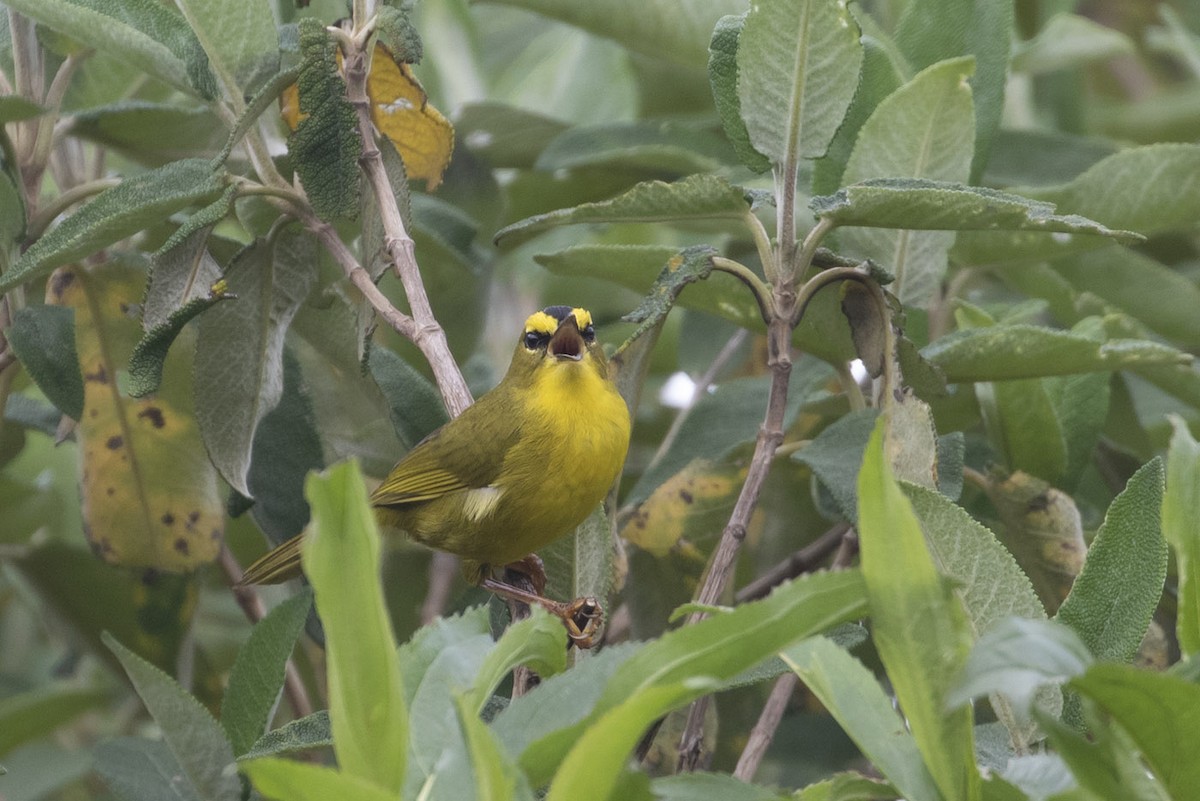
(465, 454)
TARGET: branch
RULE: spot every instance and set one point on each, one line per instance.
(764, 730)
(427, 333)
(802, 561)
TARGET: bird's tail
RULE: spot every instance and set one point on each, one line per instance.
(277, 565)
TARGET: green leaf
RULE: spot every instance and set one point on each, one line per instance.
(137, 769)
(195, 739)
(1105, 763)
(265, 98)
(1015, 657)
(884, 70)
(688, 266)
(1021, 421)
(723, 75)
(496, 775)
(539, 642)
(440, 661)
(150, 133)
(943, 206)
(325, 144)
(1067, 41)
(14, 108)
(43, 338)
(1160, 712)
(239, 350)
(835, 456)
(240, 40)
(559, 703)
(685, 664)
(148, 357)
(257, 673)
(848, 787)
(505, 136)
(1003, 352)
(865, 713)
(652, 28)
(925, 129)
(1114, 597)
(302, 734)
(181, 271)
(592, 767)
(301, 781)
(416, 407)
(366, 698)
(144, 33)
(114, 214)
(287, 446)
(710, 787)
(694, 197)
(919, 626)
(656, 147)
(989, 581)
(798, 63)
(1159, 297)
(26, 716)
(933, 30)
(1042, 158)
(1180, 511)
(1102, 194)
(398, 34)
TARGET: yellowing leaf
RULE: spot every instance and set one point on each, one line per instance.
(402, 112)
(150, 495)
(698, 496)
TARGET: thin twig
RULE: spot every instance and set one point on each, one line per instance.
(44, 216)
(847, 550)
(798, 562)
(252, 606)
(764, 730)
(760, 291)
(427, 334)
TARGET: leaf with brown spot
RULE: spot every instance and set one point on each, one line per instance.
(142, 459)
(698, 497)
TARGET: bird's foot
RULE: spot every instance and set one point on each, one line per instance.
(582, 617)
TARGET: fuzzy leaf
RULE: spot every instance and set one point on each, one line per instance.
(310, 731)
(195, 739)
(723, 75)
(943, 206)
(325, 143)
(798, 63)
(1067, 41)
(146, 361)
(137, 769)
(257, 672)
(239, 38)
(686, 267)
(1116, 593)
(43, 338)
(1180, 510)
(657, 147)
(301, 781)
(694, 197)
(1020, 350)
(239, 352)
(925, 129)
(143, 33)
(116, 213)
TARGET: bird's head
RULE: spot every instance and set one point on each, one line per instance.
(560, 340)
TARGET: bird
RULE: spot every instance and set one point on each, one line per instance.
(518, 469)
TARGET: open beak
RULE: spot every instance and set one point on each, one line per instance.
(567, 342)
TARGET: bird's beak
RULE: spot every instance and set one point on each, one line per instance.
(567, 342)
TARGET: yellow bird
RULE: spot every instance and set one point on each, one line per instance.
(523, 466)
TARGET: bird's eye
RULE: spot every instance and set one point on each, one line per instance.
(534, 340)
(589, 333)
